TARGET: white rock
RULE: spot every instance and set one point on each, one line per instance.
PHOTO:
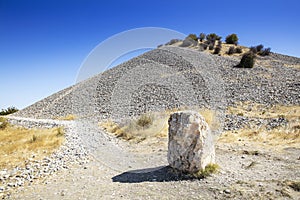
(191, 145)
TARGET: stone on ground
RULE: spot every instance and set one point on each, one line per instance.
(191, 146)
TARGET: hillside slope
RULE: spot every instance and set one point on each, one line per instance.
(170, 77)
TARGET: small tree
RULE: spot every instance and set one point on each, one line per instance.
(212, 37)
(259, 47)
(202, 37)
(265, 52)
(232, 39)
(247, 60)
(192, 36)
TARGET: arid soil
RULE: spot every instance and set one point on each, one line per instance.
(248, 171)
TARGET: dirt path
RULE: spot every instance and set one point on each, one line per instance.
(243, 176)
(118, 170)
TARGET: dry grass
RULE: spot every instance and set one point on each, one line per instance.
(19, 144)
(282, 136)
(135, 131)
(67, 117)
(249, 109)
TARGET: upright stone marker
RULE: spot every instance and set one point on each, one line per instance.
(191, 145)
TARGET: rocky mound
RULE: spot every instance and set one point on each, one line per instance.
(170, 77)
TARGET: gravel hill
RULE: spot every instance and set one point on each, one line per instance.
(170, 77)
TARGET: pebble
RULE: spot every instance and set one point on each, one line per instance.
(227, 191)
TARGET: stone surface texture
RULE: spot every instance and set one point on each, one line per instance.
(191, 145)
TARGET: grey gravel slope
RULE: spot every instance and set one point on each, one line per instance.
(171, 77)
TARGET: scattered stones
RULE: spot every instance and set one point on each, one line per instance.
(70, 153)
(191, 145)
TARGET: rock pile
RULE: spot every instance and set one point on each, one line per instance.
(191, 146)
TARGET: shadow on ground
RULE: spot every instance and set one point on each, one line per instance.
(157, 174)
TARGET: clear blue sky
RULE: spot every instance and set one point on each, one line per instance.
(44, 42)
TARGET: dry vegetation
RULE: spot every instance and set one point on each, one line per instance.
(148, 125)
(249, 109)
(67, 117)
(282, 136)
(19, 144)
(156, 125)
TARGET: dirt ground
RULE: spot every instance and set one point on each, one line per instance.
(248, 171)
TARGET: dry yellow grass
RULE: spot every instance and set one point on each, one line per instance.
(249, 109)
(279, 137)
(19, 144)
(287, 136)
(67, 117)
(158, 128)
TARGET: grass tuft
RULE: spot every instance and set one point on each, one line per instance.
(208, 171)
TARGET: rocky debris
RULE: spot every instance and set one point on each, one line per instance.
(70, 153)
(191, 146)
(272, 83)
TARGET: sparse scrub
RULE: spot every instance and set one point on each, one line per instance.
(188, 42)
(202, 37)
(20, 143)
(211, 47)
(173, 41)
(217, 50)
(193, 36)
(158, 127)
(3, 123)
(145, 121)
(232, 39)
(203, 46)
(238, 50)
(231, 50)
(253, 50)
(265, 52)
(247, 60)
(8, 111)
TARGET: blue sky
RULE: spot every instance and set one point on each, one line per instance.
(44, 42)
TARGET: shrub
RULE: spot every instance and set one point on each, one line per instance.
(238, 50)
(3, 123)
(259, 47)
(213, 37)
(217, 50)
(265, 52)
(188, 42)
(247, 60)
(144, 121)
(253, 50)
(193, 36)
(202, 36)
(211, 46)
(203, 46)
(231, 50)
(8, 111)
(173, 41)
(232, 39)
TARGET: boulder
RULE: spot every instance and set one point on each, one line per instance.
(191, 145)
